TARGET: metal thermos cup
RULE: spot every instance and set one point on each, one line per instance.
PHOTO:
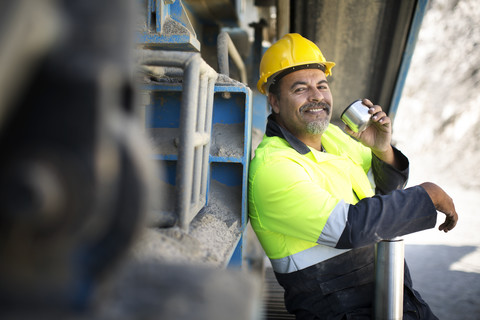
(356, 116)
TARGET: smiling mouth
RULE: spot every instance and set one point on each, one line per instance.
(315, 110)
(316, 107)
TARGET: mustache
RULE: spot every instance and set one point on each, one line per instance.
(313, 105)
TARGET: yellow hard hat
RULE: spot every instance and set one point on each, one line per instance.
(292, 52)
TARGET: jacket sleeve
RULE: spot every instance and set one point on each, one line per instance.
(387, 216)
(386, 177)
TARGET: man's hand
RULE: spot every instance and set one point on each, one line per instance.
(443, 203)
(378, 135)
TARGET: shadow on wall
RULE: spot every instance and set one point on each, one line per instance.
(451, 294)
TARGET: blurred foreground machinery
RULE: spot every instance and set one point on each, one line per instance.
(126, 130)
(80, 182)
(74, 181)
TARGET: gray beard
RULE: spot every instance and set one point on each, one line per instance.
(317, 127)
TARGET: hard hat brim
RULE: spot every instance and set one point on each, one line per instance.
(264, 83)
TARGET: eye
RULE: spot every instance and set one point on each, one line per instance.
(299, 89)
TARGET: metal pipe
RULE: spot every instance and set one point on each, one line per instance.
(389, 276)
(201, 139)
(202, 102)
(179, 59)
(283, 17)
(185, 161)
(208, 131)
(226, 48)
(200, 126)
(196, 177)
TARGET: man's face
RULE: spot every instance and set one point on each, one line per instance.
(304, 104)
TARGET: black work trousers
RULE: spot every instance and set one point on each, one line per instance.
(343, 288)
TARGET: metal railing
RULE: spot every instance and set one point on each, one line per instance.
(226, 48)
(195, 127)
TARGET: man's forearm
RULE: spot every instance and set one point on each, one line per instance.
(388, 156)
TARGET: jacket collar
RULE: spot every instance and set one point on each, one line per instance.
(275, 130)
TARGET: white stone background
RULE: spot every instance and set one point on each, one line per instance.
(438, 127)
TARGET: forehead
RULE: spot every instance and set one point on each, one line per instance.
(305, 75)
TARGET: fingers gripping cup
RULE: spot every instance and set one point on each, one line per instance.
(356, 116)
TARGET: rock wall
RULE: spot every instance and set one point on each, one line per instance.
(437, 126)
(438, 119)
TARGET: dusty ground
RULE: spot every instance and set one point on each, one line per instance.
(437, 127)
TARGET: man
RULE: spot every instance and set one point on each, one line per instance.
(319, 200)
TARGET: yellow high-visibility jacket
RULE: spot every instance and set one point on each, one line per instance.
(300, 199)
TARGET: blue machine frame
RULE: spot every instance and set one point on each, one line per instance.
(230, 148)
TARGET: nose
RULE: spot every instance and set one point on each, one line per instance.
(316, 95)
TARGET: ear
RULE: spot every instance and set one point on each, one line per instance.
(273, 100)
